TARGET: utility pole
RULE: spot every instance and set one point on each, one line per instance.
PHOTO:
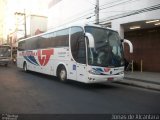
(97, 11)
(25, 28)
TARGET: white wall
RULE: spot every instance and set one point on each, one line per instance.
(73, 10)
(68, 10)
(116, 24)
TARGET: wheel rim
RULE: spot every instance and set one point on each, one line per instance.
(62, 74)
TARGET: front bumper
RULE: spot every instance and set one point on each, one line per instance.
(104, 78)
(4, 61)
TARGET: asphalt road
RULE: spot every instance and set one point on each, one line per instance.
(31, 92)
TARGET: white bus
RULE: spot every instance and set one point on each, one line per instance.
(85, 53)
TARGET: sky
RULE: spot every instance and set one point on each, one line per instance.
(38, 7)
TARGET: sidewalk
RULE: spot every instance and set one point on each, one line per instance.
(149, 80)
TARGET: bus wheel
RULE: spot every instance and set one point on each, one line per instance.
(25, 67)
(62, 74)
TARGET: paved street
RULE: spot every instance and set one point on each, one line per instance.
(31, 92)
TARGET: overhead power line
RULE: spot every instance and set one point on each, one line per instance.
(90, 12)
(91, 2)
(110, 3)
(128, 1)
(134, 12)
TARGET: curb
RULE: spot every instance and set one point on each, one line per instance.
(141, 80)
(140, 83)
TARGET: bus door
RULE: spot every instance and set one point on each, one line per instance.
(78, 51)
(77, 71)
(81, 61)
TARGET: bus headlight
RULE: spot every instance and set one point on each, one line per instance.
(94, 72)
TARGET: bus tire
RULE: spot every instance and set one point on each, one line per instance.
(25, 66)
(62, 73)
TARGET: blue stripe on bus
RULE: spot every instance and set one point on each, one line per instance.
(32, 58)
(29, 60)
(98, 69)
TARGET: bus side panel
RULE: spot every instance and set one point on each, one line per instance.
(20, 59)
(61, 56)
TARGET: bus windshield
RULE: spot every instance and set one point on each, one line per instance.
(107, 50)
(5, 51)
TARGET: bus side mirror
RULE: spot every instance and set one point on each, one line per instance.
(91, 40)
(129, 43)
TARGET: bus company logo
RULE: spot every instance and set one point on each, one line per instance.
(44, 56)
(107, 69)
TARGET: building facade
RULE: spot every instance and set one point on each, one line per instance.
(27, 26)
(136, 20)
(142, 28)
(36, 24)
